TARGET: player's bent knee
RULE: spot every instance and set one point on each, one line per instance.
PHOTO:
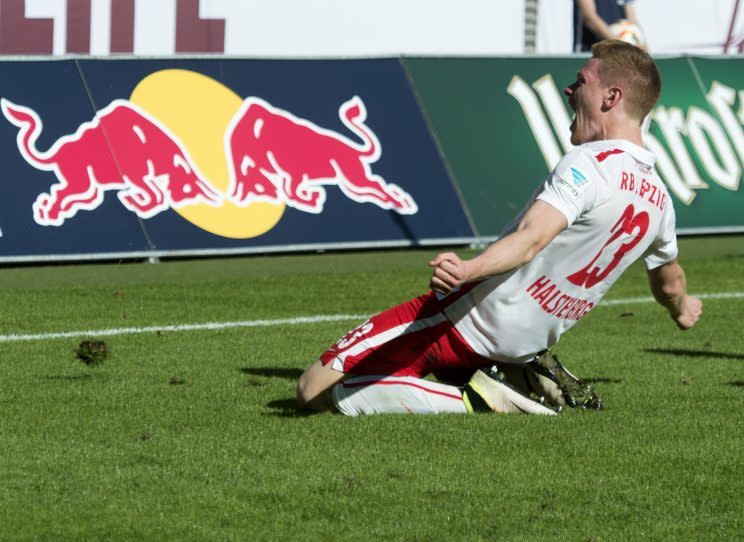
(309, 398)
(304, 393)
(314, 387)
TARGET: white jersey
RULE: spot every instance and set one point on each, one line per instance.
(618, 210)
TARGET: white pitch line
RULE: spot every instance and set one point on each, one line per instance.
(183, 327)
(278, 322)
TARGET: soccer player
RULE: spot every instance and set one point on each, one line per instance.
(599, 210)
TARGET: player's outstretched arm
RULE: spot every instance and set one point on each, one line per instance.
(669, 286)
(539, 226)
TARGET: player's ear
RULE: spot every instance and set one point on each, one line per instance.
(612, 98)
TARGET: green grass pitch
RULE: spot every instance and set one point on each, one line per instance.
(192, 435)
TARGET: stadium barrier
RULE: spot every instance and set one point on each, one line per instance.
(131, 158)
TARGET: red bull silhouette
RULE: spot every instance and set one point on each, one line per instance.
(123, 148)
(276, 157)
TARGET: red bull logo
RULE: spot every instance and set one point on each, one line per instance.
(275, 156)
(123, 148)
(157, 156)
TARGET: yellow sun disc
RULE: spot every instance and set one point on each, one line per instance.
(197, 110)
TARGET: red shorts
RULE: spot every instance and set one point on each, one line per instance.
(411, 339)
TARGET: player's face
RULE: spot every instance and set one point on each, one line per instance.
(585, 97)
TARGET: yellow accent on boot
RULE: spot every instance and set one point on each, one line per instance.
(503, 398)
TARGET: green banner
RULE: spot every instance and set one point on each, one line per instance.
(701, 121)
(503, 123)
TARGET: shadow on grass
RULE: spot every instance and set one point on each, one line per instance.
(282, 408)
(736, 383)
(272, 372)
(694, 353)
(287, 408)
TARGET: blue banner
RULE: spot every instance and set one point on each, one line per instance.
(217, 156)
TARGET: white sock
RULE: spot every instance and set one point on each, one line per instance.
(396, 394)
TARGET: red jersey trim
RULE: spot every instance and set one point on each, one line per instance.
(602, 156)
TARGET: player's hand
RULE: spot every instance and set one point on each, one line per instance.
(449, 272)
(689, 312)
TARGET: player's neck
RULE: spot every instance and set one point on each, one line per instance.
(627, 132)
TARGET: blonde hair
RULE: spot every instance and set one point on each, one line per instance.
(626, 64)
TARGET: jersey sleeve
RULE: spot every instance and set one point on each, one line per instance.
(572, 186)
(664, 247)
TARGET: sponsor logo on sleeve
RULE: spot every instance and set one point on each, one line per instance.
(573, 181)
